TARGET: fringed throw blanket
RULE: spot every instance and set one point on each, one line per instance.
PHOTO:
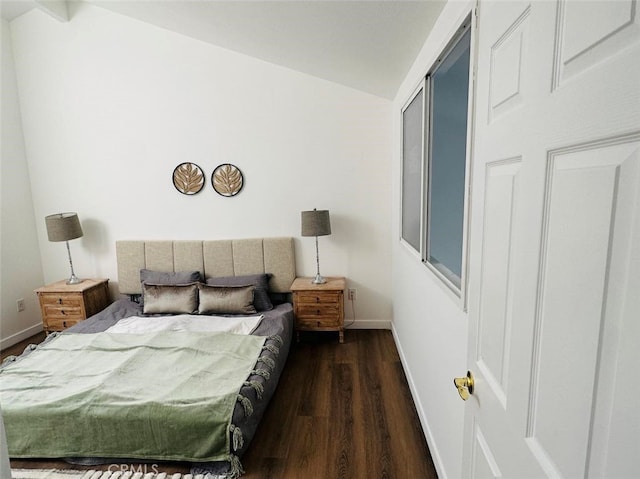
(164, 395)
(91, 474)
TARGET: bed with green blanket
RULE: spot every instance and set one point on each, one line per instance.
(90, 395)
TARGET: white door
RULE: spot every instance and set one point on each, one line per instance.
(554, 285)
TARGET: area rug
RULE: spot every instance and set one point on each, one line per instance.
(91, 474)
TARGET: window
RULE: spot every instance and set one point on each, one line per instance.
(412, 149)
(449, 95)
(434, 179)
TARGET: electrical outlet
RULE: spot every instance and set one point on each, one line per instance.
(20, 305)
(352, 294)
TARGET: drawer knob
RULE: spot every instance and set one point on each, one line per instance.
(317, 299)
(59, 300)
(64, 324)
(62, 311)
(318, 312)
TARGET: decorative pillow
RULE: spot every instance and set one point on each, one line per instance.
(226, 299)
(170, 298)
(260, 281)
(165, 277)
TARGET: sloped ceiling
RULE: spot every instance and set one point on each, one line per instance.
(366, 45)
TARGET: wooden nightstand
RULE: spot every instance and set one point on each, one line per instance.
(319, 307)
(63, 305)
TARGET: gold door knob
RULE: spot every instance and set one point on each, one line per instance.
(464, 385)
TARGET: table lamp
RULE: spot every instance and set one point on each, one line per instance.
(64, 227)
(316, 223)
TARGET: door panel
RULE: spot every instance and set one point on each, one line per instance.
(484, 463)
(586, 189)
(555, 242)
(508, 59)
(501, 185)
(591, 32)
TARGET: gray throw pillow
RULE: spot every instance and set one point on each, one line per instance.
(226, 299)
(261, 299)
(170, 299)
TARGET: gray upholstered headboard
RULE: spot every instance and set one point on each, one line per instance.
(211, 258)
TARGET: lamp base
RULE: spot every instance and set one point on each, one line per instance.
(319, 279)
(74, 280)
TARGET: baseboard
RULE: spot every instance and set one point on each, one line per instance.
(20, 336)
(433, 448)
(367, 324)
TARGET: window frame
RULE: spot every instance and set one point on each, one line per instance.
(458, 293)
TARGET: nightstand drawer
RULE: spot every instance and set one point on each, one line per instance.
(320, 309)
(318, 297)
(318, 322)
(61, 324)
(59, 300)
(62, 312)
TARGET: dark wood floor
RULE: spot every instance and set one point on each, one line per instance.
(340, 411)
(18, 348)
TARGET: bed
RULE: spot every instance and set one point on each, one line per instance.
(147, 379)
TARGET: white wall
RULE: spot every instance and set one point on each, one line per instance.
(429, 325)
(20, 267)
(111, 105)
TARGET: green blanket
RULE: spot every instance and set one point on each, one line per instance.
(162, 395)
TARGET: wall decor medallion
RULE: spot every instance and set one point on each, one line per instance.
(227, 179)
(188, 178)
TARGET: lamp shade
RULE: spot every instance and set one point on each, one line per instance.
(316, 223)
(63, 226)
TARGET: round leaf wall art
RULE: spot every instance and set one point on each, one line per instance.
(188, 178)
(227, 180)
